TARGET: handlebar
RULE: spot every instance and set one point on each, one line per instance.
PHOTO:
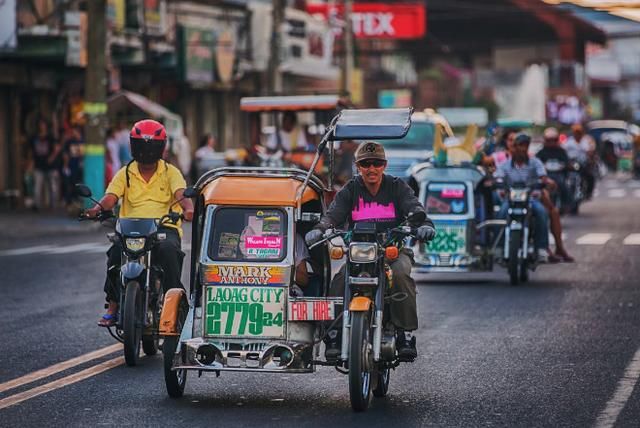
(102, 216)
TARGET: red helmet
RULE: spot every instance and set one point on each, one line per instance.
(148, 139)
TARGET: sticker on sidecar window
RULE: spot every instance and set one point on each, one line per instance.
(450, 238)
(244, 275)
(228, 246)
(263, 246)
(245, 311)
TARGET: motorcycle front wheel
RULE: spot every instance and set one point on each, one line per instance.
(360, 361)
(132, 323)
(175, 380)
(150, 340)
(514, 262)
(382, 383)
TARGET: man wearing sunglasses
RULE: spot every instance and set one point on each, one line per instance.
(373, 196)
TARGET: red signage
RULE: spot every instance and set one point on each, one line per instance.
(379, 20)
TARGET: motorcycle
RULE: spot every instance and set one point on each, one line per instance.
(242, 312)
(368, 337)
(139, 279)
(575, 186)
(519, 255)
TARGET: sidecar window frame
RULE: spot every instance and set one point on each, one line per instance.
(216, 230)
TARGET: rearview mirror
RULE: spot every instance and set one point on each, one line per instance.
(190, 192)
(83, 190)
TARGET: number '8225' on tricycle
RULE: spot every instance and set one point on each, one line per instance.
(240, 313)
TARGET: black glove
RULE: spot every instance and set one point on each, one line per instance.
(425, 233)
(313, 236)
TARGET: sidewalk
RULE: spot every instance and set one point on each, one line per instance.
(23, 223)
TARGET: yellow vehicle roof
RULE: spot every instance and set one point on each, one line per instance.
(260, 191)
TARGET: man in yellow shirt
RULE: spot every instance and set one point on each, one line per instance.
(147, 187)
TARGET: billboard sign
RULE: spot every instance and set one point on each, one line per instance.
(379, 20)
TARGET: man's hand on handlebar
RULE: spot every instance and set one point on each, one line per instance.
(313, 236)
(92, 212)
(425, 233)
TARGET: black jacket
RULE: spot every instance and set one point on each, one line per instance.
(353, 203)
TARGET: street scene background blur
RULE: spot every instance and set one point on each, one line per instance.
(188, 63)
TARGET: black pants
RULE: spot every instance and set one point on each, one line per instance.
(166, 254)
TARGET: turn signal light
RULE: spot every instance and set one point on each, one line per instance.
(336, 253)
(391, 253)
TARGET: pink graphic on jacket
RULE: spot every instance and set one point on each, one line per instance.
(373, 211)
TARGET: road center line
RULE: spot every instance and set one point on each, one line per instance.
(594, 239)
(56, 384)
(617, 193)
(56, 368)
(609, 415)
(27, 250)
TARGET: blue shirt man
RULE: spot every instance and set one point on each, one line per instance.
(523, 169)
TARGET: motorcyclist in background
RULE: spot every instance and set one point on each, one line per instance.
(556, 161)
(148, 187)
(582, 147)
(385, 200)
(524, 169)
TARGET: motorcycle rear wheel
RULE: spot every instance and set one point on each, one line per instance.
(514, 263)
(360, 361)
(132, 323)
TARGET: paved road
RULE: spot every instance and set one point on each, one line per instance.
(560, 351)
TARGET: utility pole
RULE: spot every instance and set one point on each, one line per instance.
(274, 78)
(347, 60)
(95, 94)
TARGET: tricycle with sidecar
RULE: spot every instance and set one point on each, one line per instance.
(242, 314)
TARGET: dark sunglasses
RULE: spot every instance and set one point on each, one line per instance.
(378, 163)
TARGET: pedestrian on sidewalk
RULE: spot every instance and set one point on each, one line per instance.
(46, 155)
(72, 166)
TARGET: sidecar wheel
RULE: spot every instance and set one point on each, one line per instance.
(360, 361)
(132, 324)
(175, 380)
(382, 385)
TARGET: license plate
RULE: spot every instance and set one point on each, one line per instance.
(245, 311)
(451, 238)
(302, 309)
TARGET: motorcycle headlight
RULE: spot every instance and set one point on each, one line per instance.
(363, 252)
(518, 195)
(135, 244)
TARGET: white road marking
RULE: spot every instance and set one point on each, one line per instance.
(57, 384)
(632, 239)
(27, 250)
(72, 248)
(594, 239)
(617, 193)
(636, 193)
(56, 368)
(633, 183)
(609, 415)
(610, 183)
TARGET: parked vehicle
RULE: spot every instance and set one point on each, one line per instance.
(241, 313)
(141, 295)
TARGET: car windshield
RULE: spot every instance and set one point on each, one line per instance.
(248, 234)
(419, 137)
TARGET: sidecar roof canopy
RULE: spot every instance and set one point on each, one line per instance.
(372, 124)
(259, 187)
(289, 103)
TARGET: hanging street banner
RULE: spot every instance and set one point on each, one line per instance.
(379, 20)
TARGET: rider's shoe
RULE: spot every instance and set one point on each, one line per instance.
(543, 255)
(406, 345)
